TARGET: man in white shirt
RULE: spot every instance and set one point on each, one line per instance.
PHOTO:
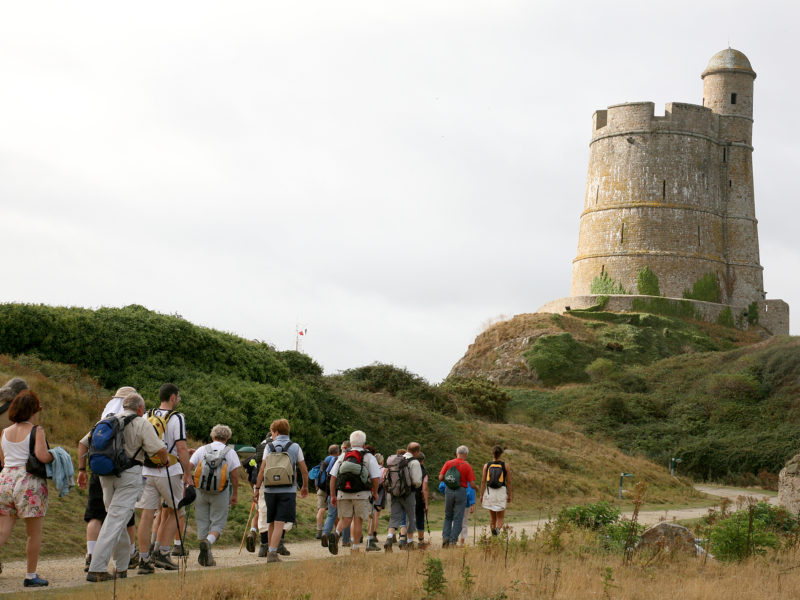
(354, 478)
(212, 505)
(164, 486)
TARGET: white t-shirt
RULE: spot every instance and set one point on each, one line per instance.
(373, 468)
(113, 407)
(230, 457)
(176, 432)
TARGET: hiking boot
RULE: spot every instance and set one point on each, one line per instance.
(263, 550)
(282, 550)
(333, 542)
(98, 576)
(387, 545)
(250, 541)
(205, 549)
(402, 544)
(372, 545)
(273, 557)
(324, 539)
(422, 544)
(85, 564)
(146, 566)
(346, 544)
(180, 550)
(35, 582)
(132, 563)
(319, 534)
(210, 562)
(163, 561)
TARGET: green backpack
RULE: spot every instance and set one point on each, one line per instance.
(452, 478)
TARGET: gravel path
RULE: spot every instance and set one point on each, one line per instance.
(68, 572)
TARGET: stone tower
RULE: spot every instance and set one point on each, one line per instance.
(675, 193)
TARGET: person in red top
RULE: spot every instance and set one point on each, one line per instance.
(455, 494)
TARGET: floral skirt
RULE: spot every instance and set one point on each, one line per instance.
(22, 495)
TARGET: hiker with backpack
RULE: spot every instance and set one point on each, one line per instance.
(278, 473)
(421, 502)
(354, 479)
(378, 504)
(320, 479)
(496, 483)
(333, 513)
(116, 448)
(23, 494)
(456, 474)
(95, 512)
(216, 466)
(164, 485)
(402, 479)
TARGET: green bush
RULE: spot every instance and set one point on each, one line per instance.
(590, 516)
(725, 317)
(614, 536)
(647, 283)
(559, 358)
(706, 288)
(603, 284)
(752, 313)
(734, 539)
(478, 396)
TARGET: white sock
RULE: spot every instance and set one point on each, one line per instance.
(90, 547)
(163, 549)
(30, 576)
(177, 543)
(390, 536)
(354, 546)
(254, 529)
(211, 538)
(133, 548)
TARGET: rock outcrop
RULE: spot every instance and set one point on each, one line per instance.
(789, 485)
(669, 537)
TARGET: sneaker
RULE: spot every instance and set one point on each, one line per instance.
(263, 550)
(282, 550)
(372, 545)
(205, 549)
(180, 550)
(273, 557)
(324, 539)
(250, 541)
(446, 544)
(163, 561)
(146, 566)
(35, 582)
(387, 545)
(333, 543)
(132, 563)
(85, 564)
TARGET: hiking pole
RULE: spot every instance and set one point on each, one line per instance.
(247, 525)
(428, 525)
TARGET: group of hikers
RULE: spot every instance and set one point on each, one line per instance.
(139, 459)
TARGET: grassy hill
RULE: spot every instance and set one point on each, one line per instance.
(724, 401)
(391, 405)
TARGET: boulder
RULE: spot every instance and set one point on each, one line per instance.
(670, 537)
(789, 485)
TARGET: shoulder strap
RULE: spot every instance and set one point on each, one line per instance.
(271, 447)
(32, 441)
(287, 446)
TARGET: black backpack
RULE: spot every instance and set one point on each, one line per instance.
(496, 474)
(106, 451)
(252, 470)
(353, 475)
(321, 480)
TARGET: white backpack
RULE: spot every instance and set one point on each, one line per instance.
(211, 473)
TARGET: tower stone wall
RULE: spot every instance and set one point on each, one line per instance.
(674, 193)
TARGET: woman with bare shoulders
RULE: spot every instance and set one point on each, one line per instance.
(496, 489)
(23, 495)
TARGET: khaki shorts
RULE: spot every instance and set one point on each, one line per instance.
(349, 507)
(156, 491)
(322, 500)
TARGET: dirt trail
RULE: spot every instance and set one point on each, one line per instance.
(68, 572)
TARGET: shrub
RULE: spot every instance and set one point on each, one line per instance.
(752, 313)
(600, 368)
(614, 536)
(559, 358)
(647, 283)
(590, 516)
(706, 288)
(478, 396)
(603, 284)
(725, 317)
(733, 539)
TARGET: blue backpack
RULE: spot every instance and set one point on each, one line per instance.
(106, 453)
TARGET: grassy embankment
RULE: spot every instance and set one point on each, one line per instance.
(722, 400)
(550, 469)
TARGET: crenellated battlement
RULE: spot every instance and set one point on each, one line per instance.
(639, 117)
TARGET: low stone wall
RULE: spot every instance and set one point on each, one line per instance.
(773, 315)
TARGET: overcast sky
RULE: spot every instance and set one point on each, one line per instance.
(389, 175)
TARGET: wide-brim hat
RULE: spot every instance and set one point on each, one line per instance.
(189, 495)
(125, 391)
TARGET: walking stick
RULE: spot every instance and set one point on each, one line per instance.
(428, 525)
(247, 525)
